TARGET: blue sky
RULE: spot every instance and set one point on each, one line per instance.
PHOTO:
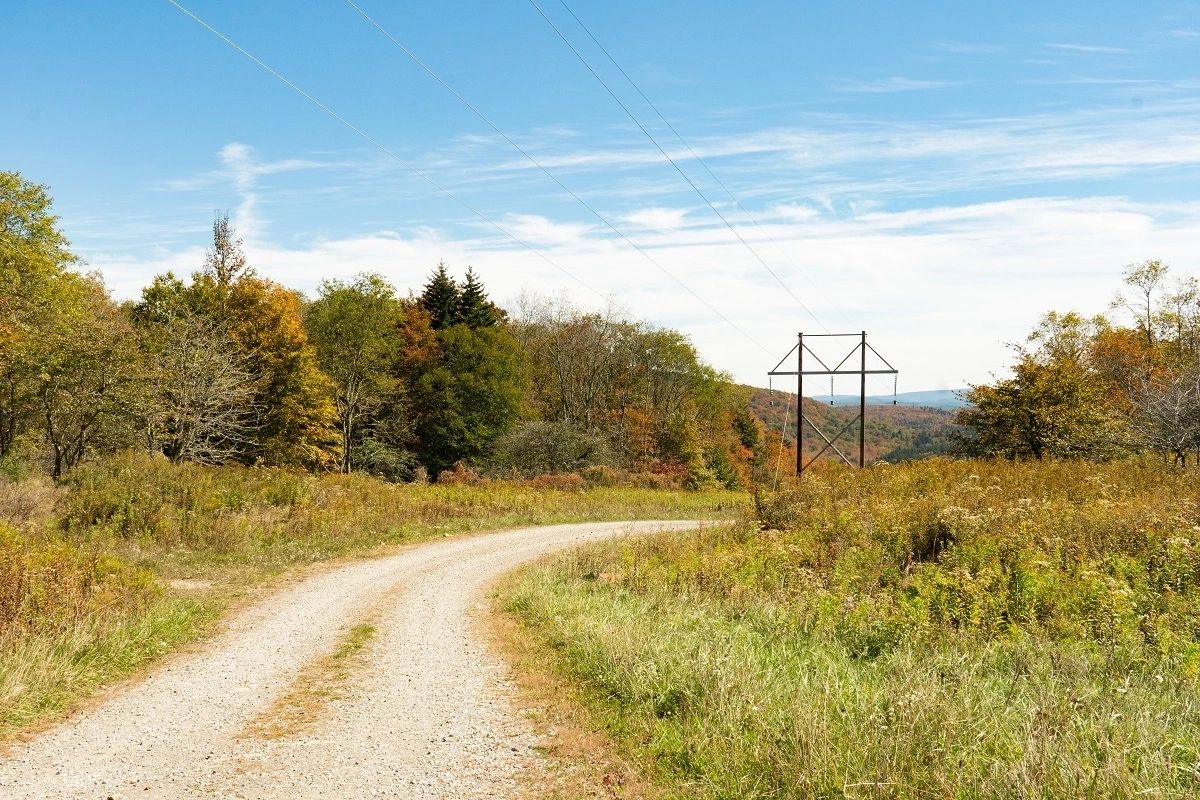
(937, 173)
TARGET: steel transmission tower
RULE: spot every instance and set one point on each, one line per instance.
(860, 348)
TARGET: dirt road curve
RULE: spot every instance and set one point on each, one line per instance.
(427, 714)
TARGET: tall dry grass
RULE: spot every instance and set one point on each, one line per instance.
(944, 629)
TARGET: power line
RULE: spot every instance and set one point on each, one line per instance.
(484, 118)
(667, 156)
(420, 173)
(695, 156)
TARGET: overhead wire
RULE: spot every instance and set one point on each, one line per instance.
(616, 98)
(787, 409)
(528, 156)
(691, 151)
(429, 179)
(390, 153)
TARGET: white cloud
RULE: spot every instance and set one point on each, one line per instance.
(838, 202)
(796, 212)
(894, 83)
(657, 218)
(940, 289)
(537, 229)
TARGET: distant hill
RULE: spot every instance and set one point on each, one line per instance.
(933, 398)
(894, 432)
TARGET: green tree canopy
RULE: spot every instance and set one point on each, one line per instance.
(468, 396)
(37, 290)
(1053, 409)
(363, 335)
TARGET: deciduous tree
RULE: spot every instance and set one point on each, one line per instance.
(90, 385)
(355, 328)
(34, 263)
(263, 320)
(205, 400)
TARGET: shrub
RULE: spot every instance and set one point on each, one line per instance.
(562, 481)
(721, 467)
(603, 475)
(28, 504)
(384, 460)
(52, 585)
(776, 510)
(654, 480)
(541, 447)
(461, 474)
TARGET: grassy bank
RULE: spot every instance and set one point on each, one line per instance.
(936, 629)
(133, 556)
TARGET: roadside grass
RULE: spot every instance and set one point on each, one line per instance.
(133, 556)
(579, 757)
(45, 673)
(188, 521)
(939, 629)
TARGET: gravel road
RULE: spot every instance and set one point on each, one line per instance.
(428, 714)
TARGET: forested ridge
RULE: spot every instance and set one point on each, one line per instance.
(894, 433)
(227, 366)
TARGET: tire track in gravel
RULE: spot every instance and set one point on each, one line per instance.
(428, 716)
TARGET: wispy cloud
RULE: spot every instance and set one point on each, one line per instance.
(538, 229)
(895, 83)
(1093, 81)
(1097, 49)
(240, 164)
(838, 159)
(241, 169)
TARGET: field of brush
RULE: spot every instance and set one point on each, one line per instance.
(133, 556)
(934, 629)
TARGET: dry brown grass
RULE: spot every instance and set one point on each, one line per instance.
(319, 683)
(29, 504)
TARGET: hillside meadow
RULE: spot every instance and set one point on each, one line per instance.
(132, 556)
(932, 629)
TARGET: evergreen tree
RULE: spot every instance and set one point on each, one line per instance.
(467, 397)
(475, 310)
(441, 298)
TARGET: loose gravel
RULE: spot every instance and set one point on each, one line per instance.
(429, 714)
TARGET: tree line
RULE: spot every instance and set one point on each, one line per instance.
(1101, 386)
(226, 365)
